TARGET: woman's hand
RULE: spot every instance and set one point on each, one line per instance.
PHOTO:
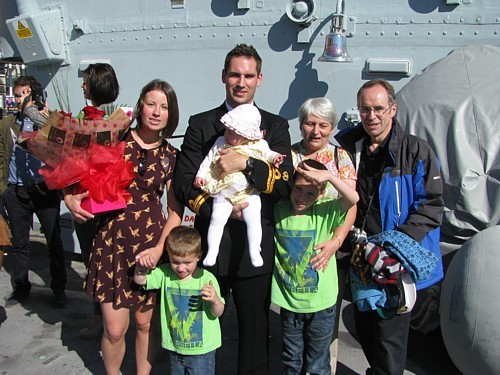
(326, 251)
(149, 257)
(74, 204)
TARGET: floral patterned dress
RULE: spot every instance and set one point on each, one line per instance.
(344, 170)
(125, 233)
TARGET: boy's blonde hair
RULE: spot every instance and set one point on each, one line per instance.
(315, 165)
(183, 242)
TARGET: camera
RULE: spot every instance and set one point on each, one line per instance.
(38, 96)
(357, 235)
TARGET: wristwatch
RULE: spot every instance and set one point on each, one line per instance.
(249, 167)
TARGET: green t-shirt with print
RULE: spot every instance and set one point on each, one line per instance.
(187, 324)
(296, 286)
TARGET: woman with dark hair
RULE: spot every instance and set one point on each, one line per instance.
(100, 85)
(100, 88)
(137, 232)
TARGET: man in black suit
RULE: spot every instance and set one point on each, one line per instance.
(250, 286)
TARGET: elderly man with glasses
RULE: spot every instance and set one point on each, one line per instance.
(400, 189)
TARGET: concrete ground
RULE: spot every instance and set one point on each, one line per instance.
(38, 338)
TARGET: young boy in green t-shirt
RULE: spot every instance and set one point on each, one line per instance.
(307, 297)
(190, 304)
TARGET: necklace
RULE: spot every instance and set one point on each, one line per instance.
(149, 144)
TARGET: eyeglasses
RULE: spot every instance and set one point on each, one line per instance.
(143, 154)
(378, 110)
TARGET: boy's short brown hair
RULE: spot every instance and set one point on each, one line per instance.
(312, 164)
(183, 242)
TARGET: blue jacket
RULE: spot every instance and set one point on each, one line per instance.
(410, 190)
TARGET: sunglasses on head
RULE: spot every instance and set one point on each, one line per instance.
(143, 154)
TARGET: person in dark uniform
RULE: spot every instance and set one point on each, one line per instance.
(249, 285)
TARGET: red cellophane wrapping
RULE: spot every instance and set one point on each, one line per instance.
(106, 175)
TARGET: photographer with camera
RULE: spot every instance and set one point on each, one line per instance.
(24, 193)
(400, 190)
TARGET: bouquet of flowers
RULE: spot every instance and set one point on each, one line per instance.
(85, 149)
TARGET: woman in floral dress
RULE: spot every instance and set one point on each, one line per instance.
(138, 231)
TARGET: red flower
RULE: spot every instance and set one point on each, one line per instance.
(93, 113)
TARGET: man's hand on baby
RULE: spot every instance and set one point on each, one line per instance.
(230, 161)
(237, 208)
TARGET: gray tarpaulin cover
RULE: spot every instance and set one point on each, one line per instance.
(454, 104)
